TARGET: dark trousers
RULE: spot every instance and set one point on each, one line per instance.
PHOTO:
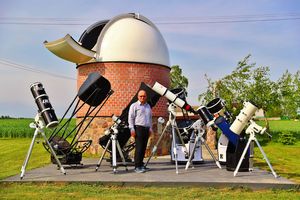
(141, 139)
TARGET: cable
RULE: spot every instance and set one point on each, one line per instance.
(228, 21)
(159, 20)
(4, 62)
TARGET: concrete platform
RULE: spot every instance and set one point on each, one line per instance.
(162, 172)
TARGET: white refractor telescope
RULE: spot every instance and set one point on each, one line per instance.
(163, 91)
(243, 118)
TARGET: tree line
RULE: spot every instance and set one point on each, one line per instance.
(248, 82)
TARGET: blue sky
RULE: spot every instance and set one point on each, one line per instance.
(203, 37)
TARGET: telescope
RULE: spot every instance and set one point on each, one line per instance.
(202, 111)
(46, 116)
(205, 115)
(163, 91)
(44, 106)
(66, 139)
(243, 118)
(217, 107)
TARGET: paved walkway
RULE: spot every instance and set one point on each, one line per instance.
(162, 172)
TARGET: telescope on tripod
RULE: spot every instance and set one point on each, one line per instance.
(45, 118)
(175, 100)
(229, 143)
(232, 146)
(253, 129)
(64, 143)
(113, 144)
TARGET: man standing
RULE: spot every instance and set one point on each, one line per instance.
(140, 124)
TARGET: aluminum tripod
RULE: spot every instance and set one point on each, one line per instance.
(113, 141)
(39, 129)
(252, 129)
(175, 131)
(198, 127)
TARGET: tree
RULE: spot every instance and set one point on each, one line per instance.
(246, 82)
(288, 89)
(177, 79)
(297, 89)
(262, 90)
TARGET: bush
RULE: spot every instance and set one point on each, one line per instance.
(285, 118)
(287, 138)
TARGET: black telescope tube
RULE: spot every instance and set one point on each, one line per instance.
(44, 106)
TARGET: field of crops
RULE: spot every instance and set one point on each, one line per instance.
(19, 128)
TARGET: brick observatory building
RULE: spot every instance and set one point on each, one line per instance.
(126, 50)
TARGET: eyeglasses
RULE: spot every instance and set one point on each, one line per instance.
(142, 96)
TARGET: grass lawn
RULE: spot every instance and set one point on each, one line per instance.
(13, 153)
(98, 191)
(284, 125)
(284, 158)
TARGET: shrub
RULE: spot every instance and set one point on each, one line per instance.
(287, 138)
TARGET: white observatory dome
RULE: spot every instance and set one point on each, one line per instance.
(124, 38)
(132, 38)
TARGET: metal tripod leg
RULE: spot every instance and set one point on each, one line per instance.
(175, 128)
(261, 150)
(36, 132)
(115, 146)
(181, 140)
(265, 157)
(113, 152)
(28, 154)
(251, 156)
(208, 149)
(211, 153)
(121, 154)
(154, 149)
(242, 156)
(103, 154)
(174, 149)
(192, 153)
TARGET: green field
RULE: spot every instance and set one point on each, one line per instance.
(284, 158)
(97, 191)
(13, 153)
(19, 128)
(13, 128)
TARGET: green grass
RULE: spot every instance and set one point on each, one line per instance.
(277, 127)
(13, 153)
(14, 128)
(284, 125)
(284, 159)
(19, 128)
(98, 191)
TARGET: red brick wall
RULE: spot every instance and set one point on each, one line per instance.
(125, 79)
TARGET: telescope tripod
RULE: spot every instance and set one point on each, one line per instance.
(251, 139)
(199, 136)
(171, 122)
(39, 129)
(113, 141)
